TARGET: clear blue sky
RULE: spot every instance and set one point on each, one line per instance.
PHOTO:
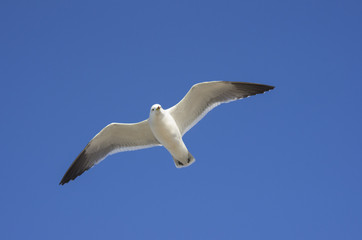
(286, 164)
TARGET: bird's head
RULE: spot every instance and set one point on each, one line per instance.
(156, 108)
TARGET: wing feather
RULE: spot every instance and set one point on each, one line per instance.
(203, 97)
(115, 137)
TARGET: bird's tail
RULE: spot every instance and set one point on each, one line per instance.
(180, 163)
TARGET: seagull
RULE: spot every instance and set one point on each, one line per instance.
(164, 127)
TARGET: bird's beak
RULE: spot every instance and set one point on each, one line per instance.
(158, 108)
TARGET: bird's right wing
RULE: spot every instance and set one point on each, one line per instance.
(116, 137)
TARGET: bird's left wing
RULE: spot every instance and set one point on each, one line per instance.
(116, 137)
(203, 97)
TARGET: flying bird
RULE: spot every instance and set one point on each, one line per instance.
(164, 127)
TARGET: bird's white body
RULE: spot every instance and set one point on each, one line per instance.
(166, 131)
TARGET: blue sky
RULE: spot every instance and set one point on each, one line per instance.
(282, 165)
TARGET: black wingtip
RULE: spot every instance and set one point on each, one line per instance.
(78, 167)
(252, 88)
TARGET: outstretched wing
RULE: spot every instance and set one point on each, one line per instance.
(203, 97)
(115, 137)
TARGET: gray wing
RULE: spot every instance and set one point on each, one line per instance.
(115, 137)
(203, 97)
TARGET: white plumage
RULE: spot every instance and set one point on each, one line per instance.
(165, 127)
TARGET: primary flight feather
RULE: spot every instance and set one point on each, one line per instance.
(164, 127)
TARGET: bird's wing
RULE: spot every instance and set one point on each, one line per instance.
(203, 97)
(115, 137)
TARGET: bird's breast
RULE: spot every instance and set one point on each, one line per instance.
(165, 129)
